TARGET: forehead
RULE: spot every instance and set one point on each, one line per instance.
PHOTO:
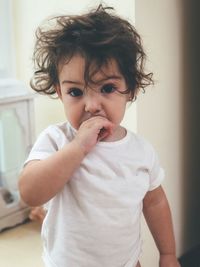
(75, 69)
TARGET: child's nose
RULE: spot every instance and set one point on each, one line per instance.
(92, 104)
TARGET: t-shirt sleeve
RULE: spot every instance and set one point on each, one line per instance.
(156, 172)
(44, 146)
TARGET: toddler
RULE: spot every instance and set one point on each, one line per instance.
(93, 177)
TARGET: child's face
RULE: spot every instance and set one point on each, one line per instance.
(102, 99)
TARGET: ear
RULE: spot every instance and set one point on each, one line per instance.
(58, 91)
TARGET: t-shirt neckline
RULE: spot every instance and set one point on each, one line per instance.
(109, 143)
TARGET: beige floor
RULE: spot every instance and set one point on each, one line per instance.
(21, 246)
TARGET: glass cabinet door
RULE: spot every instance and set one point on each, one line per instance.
(13, 143)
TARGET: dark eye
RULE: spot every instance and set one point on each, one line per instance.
(75, 92)
(108, 88)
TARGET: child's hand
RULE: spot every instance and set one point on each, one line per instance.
(93, 130)
(168, 260)
(37, 214)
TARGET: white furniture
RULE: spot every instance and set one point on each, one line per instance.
(16, 139)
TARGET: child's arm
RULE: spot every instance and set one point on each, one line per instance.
(158, 216)
(43, 179)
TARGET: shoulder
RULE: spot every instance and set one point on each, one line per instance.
(140, 142)
(147, 154)
(53, 138)
(57, 130)
(141, 147)
(57, 134)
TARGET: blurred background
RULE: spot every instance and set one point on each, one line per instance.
(167, 114)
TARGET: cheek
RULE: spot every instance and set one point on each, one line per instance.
(117, 113)
(73, 115)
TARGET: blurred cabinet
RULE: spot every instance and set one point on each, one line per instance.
(16, 139)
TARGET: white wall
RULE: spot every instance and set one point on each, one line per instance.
(27, 16)
(160, 109)
(6, 40)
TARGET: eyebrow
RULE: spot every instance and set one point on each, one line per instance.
(112, 77)
(73, 82)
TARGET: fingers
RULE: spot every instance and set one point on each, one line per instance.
(104, 133)
(37, 214)
(100, 126)
(100, 123)
(93, 130)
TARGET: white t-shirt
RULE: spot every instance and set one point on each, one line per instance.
(95, 220)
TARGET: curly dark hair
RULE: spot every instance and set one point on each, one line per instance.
(98, 36)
